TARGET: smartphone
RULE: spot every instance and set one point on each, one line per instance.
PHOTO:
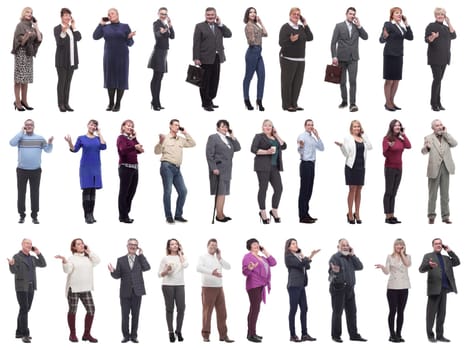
(33, 19)
(181, 128)
(261, 248)
(299, 251)
(217, 250)
(301, 18)
(33, 248)
(229, 131)
(402, 129)
(85, 247)
(444, 128)
(105, 19)
(442, 245)
(350, 250)
(404, 18)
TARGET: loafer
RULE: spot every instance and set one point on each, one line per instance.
(431, 221)
(307, 337)
(353, 108)
(443, 339)
(358, 338)
(254, 339)
(206, 340)
(337, 339)
(343, 104)
(170, 220)
(396, 221)
(307, 221)
(295, 339)
(209, 109)
(227, 340)
(134, 340)
(126, 220)
(447, 221)
(180, 219)
(125, 340)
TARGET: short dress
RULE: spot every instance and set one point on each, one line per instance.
(356, 175)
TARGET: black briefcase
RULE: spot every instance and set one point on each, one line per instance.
(194, 75)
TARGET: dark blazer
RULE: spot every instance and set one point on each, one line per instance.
(395, 41)
(345, 46)
(62, 53)
(206, 43)
(219, 155)
(263, 162)
(297, 270)
(158, 60)
(439, 51)
(131, 280)
(21, 271)
(434, 283)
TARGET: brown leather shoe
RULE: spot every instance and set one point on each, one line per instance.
(431, 221)
(226, 339)
(447, 221)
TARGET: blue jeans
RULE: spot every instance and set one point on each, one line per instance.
(254, 63)
(171, 175)
(297, 297)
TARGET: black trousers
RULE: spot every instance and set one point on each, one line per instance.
(307, 178)
(63, 85)
(392, 178)
(128, 184)
(34, 178)
(297, 297)
(25, 301)
(291, 81)
(397, 299)
(131, 304)
(436, 309)
(210, 83)
(264, 178)
(156, 88)
(343, 298)
(438, 73)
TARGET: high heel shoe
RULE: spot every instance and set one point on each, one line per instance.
(172, 337)
(265, 221)
(179, 336)
(358, 221)
(25, 105)
(248, 105)
(276, 218)
(19, 109)
(350, 221)
(259, 105)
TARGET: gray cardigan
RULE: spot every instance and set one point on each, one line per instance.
(21, 270)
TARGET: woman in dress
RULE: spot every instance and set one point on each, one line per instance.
(90, 166)
(163, 31)
(394, 144)
(354, 149)
(256, 266)
(396, 267)
(268, 146)
(26, 41)
(254, 31)
(297, 265)
(394, 32)
(118, 37)
(79, 284)
(220, 150)
(173, 286)
(128, 149)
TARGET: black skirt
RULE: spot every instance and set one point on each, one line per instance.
(392, 68)
(354, 176)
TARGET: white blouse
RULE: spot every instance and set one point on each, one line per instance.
(398, 272)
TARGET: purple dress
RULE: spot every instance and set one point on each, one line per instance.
(90, 165)
(116, 57)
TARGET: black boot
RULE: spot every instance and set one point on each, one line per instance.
(111, 93)
(248, 104)
(259, 105)
(87, 207)
(119, 98)
(92, 204)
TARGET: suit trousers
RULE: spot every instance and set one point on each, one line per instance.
(307, 178)
(343, 298)
(213, 298)
(63, 85)
(436, 308)
(130, 304)
(34, 178)
(440, 182)
(128, 184)
(392, 178)
(351, 68)
(210, 82)
(291, 81)
(255, 296)
(297, 297)
(25, 302)
(274, 177)
(254, 63)
(174, 295)
(397, 299)
(438, 73)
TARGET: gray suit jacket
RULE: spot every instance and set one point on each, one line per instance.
(264, 162)
(434, 284)
(206, 43)
(21, 270)
(439, 152)
(219, 155)
(345, 46)
(297, 270)
(131, 279)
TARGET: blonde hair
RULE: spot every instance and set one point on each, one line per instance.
(23, 13)
(265, 121)
(115, 10)
(396, 242)
(440, 10)
(355, 121)
(293, 9)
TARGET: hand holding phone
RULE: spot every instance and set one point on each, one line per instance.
(181, 128)
(105, 19)
(33, 19)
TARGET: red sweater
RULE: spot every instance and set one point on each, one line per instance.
(393, 153)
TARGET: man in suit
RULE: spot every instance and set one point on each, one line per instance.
(208, 52)
(130, 268)
(23, 266)
(440, 165)
(344, 52)
(342, 267)
(440, 281)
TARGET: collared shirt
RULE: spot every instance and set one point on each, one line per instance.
(172, 148)
(72, 44)
(131, 260)
(311, 144)
(224, 139)
(349, 27)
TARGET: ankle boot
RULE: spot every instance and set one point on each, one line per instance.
(111, 93)
(71, 324)
(259, 105)
(87, 329)
(248, 104)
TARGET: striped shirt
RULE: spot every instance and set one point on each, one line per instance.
(30, 149)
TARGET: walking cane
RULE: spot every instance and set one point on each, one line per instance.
(215, 199)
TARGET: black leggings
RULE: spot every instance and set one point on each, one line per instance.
(397, 299)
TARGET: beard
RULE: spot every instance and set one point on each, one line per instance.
(345, 252)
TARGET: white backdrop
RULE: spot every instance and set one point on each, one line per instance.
(61, 213)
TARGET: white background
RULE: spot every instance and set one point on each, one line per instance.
(61, 213)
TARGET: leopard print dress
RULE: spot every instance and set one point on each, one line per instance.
(23, 67)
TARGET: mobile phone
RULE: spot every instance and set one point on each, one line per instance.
(33, 248)
(229, 131)
(301, 18)
(261, 248)
(181, 128)
(33, 19)
(299, 251)
(217, 250)
(105, 19)
(442, 245)
(85, 247)
(404, 18)
(444, 128)
(402, 129)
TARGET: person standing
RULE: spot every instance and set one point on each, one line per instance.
(440, 282)
(66, 57)
(23, 266)
(210, 266)
(342, 267)
(440, 165)
(344, 52)
(292, 40)
(438, 36)
(163, 31)
(208, 52)
(118, 37)
(308, 142)
(129, 270)
(171, 148)
(90, 166)
(30, 147)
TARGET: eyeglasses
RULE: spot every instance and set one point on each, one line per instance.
(163, 14)
(132, 245)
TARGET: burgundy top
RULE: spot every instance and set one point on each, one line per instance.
(393, 153)
(126, 150)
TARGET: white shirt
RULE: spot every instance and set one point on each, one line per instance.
(206, 265)
(80, 272)
(398, 273)
(72, 44)
(176, 276)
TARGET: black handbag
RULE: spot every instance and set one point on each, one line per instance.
(333, 74)
(194, 75)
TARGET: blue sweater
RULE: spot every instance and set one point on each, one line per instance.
(30, 149)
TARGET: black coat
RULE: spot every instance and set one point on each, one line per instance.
(62, 53)
(439, 51)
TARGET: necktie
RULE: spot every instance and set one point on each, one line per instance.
(212, 28)
(132, 261)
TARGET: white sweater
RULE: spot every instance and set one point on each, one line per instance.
(175, 277)
(80, 272)
(206, 265)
